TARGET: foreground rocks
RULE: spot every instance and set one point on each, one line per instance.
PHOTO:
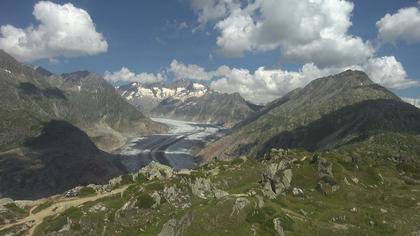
(276, 178)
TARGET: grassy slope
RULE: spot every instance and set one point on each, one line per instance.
(380, 186)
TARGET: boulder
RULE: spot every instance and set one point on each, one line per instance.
(175, 227)
(203, 188)
(156, 197)
(278, 227)
(276, 179)
(298, 192)
(98, 208)
(155, 170)
(240, 203)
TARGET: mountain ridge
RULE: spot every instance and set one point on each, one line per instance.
(298, 108)
(188, 100)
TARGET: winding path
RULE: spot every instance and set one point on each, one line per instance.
(59, 207)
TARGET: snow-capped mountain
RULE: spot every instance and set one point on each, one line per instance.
(146, 97)
(189, 101)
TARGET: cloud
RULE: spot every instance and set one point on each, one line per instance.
(264, 85)
(403, 25)
(125, 75)
(183, 71)
(305, 31)
(211, 10)
(388, 72)
(412, 101)
(63, 30)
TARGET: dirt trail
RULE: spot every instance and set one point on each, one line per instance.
(59, 207)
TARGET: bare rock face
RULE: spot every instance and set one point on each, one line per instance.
(203, 188)
(278, 227)
(175, 227)
(326, 184)
(240, 203)
(155, 170)
(276, 179)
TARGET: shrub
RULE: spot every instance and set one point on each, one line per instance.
(145, 201)
(86, 191)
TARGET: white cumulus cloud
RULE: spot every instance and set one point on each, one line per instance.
(388, 72)
(412, 101)
(210, 10)
(305, 31)
(403, 25)
(63, 30)
(264, 85)
(190, 71)
(125, 75)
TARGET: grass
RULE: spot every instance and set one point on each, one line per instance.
(86, 192)
(42, 206)
(145, 201)
(380, 187)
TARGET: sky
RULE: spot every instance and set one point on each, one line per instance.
(262, 49)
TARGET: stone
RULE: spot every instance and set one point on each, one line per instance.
(278, 227)
(276, 179)
(156, 197)
(354, 210)
(175, 227)
(219, 193)
(203, 188)
(303, 212)
(97, 208)
(155, 170)
(325, 168)
(355, 180)
(114, 182)
(170, 194)
(66, 227)
(260, 201)
(4, 202)
(346, 181)
(297, 192)
(240, 203)
(383, 211)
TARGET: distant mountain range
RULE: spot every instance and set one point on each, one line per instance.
(34, 103)
(327, 113)
(186, 100)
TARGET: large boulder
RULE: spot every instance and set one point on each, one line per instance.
(326, 183)
(175, 227)
(276, 178)
(155, 170)
(203, 188)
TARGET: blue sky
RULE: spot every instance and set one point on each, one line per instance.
(146, 36)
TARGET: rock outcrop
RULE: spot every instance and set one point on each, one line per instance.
(276, 178)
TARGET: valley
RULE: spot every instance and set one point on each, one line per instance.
(177, 148)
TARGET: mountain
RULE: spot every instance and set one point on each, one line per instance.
(99, 110)
(189, 101)
(351, 124)
(51, 128)
(29, 99)
(301, 108)
(60, 158)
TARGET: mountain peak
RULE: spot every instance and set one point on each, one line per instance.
(77, 74)
(355, 75)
